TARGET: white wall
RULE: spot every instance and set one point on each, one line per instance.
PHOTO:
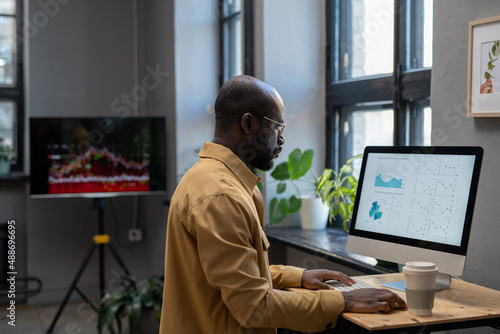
(451, 127)
(291, 42)
(156, 40)
(196, 67)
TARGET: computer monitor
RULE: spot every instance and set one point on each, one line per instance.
(416, 204)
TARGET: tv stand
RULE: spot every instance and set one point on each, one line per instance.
(98, 241)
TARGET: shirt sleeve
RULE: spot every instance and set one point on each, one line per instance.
(224, 231)
(286, 276)
(300, 310)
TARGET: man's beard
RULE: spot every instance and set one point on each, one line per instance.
(263, 160)
(255, 154)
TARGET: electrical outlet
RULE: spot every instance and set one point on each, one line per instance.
(135, 235)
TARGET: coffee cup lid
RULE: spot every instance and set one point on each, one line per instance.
(420, 266)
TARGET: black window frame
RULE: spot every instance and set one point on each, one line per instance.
(15, 93)
(246, 16)
(402, 87)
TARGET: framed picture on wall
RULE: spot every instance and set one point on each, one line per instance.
(483, 79)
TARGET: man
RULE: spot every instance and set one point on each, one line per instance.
(217, 275)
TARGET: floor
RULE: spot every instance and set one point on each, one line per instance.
(77, 318)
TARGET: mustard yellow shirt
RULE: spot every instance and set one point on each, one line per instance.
(217, 274)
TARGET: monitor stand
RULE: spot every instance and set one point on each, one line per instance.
(443, 282)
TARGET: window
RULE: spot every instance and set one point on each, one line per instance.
(11, 83)
(378, 75)
(236, 38)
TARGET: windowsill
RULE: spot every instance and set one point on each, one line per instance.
(15, 176)
(329, 243)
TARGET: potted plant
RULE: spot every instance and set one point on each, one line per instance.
(336, 190)
(130, 302)
(339, 190)
(6, 156)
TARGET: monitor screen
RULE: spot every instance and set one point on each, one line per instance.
(416, 203)
(97, 156)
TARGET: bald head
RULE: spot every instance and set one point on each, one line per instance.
(248, 117)
(243, 94)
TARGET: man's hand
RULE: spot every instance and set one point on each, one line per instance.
(371, 300)
(313, 279)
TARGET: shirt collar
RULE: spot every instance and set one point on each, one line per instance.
(233, 162)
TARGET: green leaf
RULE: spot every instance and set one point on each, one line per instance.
(101, 320)
(299, 163)
(490, 66)
(275, 212)
(343, 210)
(487, 75)
(351, 159)
(351, 180)
(344, 224)
(350, 208)
(118, 322)
(280, 188)
(294, 204)
(157, 308)
(259, 185)
(111, 315)
(280, 172)
(346, 169)
(326, 189)
(330, 198)
(345, 190)
(134, 314)
(327, 174)
(147, 298)
(489, 54)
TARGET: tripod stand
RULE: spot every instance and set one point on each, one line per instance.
(99, 241)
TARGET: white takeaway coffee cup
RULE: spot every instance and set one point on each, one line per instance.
(420, 287)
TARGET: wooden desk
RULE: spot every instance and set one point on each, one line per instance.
(462, 305)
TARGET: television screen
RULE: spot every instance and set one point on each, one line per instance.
(97, 156)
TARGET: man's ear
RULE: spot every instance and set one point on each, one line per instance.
(247, 122)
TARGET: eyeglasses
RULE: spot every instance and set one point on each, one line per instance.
(282, 126)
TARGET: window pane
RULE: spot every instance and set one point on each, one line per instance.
(369, 127)
(233, 53)
(8, 7)
(372, 128)
(428, 5)
(427, 126)
(421, 123)
(7, 51)
(419, 51)
(367, 40)
(231, 6)
(7, 123)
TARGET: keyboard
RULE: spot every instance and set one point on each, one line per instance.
(341, 286)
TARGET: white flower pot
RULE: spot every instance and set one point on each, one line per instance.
(4, 166)
(313, 214)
